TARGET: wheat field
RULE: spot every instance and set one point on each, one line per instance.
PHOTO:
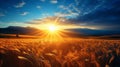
(66, 53)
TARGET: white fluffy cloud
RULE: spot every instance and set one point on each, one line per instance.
(54, 1)
(24, 13)
(19, 5)
(66, 14)
(70, 10)
(38, 7)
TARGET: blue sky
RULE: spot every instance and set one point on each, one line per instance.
(104, 14)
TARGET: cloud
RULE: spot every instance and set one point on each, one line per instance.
(66, 14)
(77, 2)
(54, 1)
(19, 5)
(75, 9)
(36, 21)
(61, 6)
(105, 15)
(39, 7)
(2, 14)
(12, 23)
(46, 20)
(24, 13)
(69, 10)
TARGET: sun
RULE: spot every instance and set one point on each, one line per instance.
(52, 28)
(51, 32)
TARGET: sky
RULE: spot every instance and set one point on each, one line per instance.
(97, 14)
